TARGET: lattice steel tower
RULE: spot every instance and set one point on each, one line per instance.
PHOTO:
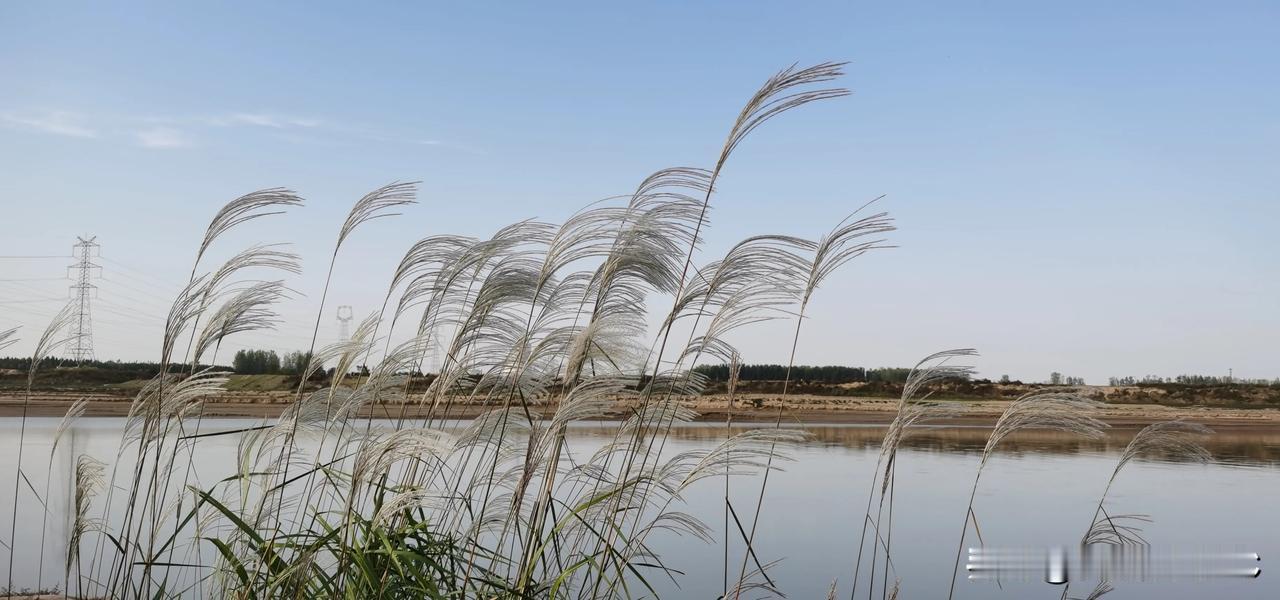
(344, 322)
(80, 346)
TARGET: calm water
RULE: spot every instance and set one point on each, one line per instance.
(1039, 491)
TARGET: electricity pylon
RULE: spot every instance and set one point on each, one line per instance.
(344, 322)
(80, 347)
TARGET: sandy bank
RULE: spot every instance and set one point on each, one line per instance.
(797, 409)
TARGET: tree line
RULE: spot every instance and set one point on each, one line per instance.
(833, 374)
(267, 362)
(1193, 380)
(23, 363)
(247, 362)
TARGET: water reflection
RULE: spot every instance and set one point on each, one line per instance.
(1040, 490)
(1234, 446)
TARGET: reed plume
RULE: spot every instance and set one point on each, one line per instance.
(773, 98)
(849, 239)
(8, 337)
(912, 409)
(1116, 530)
(1060, 411)
(53, 337)
(75, 411)
(373, 205)
(1103, 588)
(87, 481)
(243, 313)
(250, 206)
(1179, 440)
(1176, 440)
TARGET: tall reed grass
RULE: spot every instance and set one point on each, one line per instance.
(543, 324)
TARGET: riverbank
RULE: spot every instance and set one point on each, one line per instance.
(712, 409)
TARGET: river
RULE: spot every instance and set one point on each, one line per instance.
(1039, 491)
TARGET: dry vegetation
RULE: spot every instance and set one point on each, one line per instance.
(544, 324)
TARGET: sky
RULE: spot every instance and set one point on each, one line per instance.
(1089, 187)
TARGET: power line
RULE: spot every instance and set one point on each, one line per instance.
(143, 274)
(132, 312)
(153, 302)
(128, 314)
(26, 287)
(46, 313)
(151, 288)
(138, 317)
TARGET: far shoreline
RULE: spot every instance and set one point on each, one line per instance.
(798, 410)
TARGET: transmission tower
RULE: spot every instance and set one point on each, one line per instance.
(80, 347)
(344, 322)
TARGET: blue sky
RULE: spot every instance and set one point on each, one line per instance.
(1081, 187)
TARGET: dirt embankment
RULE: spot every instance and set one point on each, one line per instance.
(268, 389)
(260, 396)
(750, 407)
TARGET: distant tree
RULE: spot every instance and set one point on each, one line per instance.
(1004, 379)
(294, 363)
(256, 362)
(1055, 378)
(888, 374)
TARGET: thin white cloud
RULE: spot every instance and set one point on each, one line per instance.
(167, 132)
(388, 139)
(332, 132)
(263, 120)
(56, 122)
(162, 137)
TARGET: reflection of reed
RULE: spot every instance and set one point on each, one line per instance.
(1232, 447)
